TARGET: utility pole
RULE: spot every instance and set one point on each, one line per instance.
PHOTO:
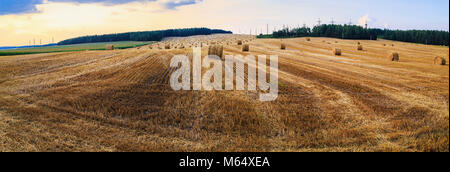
(332, 21)
(350, 23)
(319, 22)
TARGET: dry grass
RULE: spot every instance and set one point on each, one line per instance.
(121, 101)
(109, 47)
(337, 51)
(216, 50)
(394, 56)
(439, 61)
(359, 48)
(246, 48)
(283, 46)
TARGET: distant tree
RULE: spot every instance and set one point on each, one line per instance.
(143, 36)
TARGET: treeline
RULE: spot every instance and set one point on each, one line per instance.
(417, 36)
(143, 36)
(332, 31)
(358, 32)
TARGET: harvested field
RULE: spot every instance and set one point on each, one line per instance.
(121, 100)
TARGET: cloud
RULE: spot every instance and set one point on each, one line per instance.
(177, 3)
(18, 6)
(29, 6)
(62, 20)
(364, 20)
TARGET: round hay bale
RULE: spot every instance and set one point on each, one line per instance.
(167, 46)
(239, 42)
(109, 47)
(439, 61)
(394, 56)
(359, 43)
(216, 50)
(392, 44)
(337, 51)
(335, 42)
(308, 39)
(384, 44)
(360, 48)
(283, 46)
(246, 48)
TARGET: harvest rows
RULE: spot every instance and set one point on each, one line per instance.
(121, 100)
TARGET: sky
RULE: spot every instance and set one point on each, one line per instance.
(40, 21)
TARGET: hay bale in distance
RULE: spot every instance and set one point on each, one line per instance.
(337, 51)
(246, 48)
(239, 42)
(308, 39)
(109, 47)
(167, 46)
(394, 56)
(216, 50)
(283, 46)
(439, 61)
(360, 47)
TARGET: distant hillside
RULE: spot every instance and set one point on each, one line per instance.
(31, 46)
(143, 36)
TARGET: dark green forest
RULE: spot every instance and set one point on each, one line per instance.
(358, 32)
(143, 36)
(417, 36)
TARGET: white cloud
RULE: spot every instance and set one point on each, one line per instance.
(364, 20)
